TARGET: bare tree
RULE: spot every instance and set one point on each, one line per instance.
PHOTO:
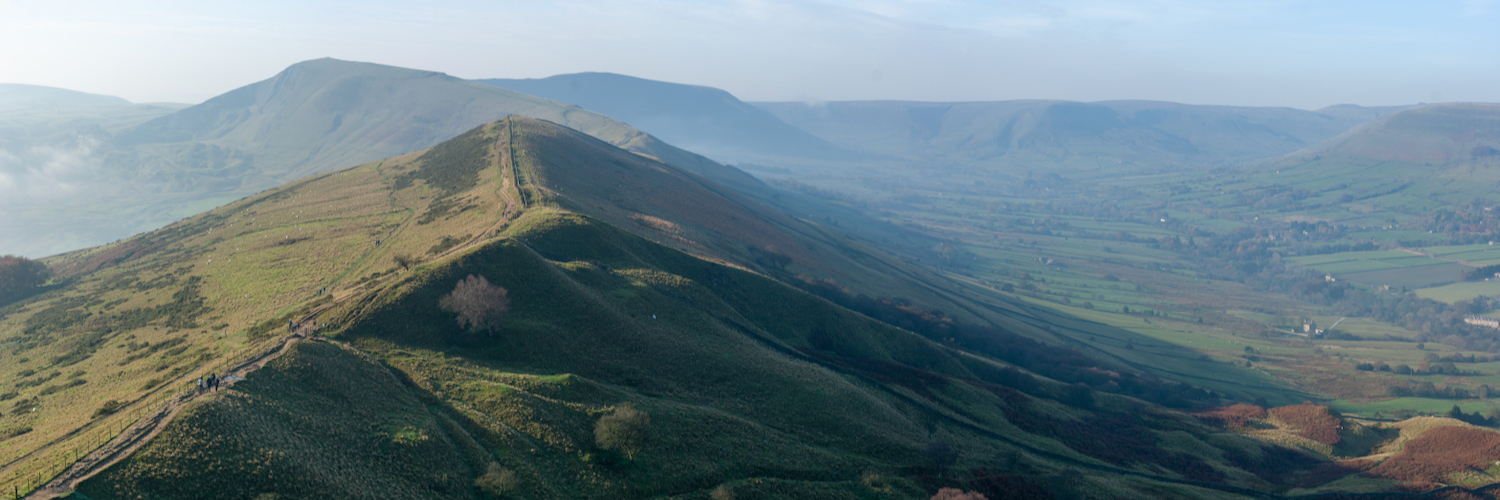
(404, 260)
(479, 305)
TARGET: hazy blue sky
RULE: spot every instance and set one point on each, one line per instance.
(1276, 53)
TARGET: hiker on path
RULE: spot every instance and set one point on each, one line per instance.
(200, 384)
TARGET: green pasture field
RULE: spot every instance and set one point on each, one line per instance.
(1355, 266)
(1411, 277)
(1427, 405)
(1396, 235)
(1363, 327)
(1333, 258)
(1460, 291)
(1456, 250)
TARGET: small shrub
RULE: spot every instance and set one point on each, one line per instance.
(108, 408)
(479, 305)
(957, 494)
(723, 492)
(13, 432)
(447, 243)
(404, 260)
(624, 430)
(497, 480)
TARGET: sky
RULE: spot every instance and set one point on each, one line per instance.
(1253, 53)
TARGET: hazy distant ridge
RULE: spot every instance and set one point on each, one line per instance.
(15, 97)
(706, 120)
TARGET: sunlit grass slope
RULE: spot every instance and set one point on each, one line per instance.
(131, 321)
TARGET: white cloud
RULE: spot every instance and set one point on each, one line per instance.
(48, 171)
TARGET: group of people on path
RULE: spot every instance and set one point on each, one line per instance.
(209, 382)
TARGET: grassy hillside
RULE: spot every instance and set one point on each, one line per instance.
(749, 384)
(318, 422)
(1432, 134)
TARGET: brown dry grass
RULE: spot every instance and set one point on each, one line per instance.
(1310, 421)
(1232, 416)
(1440, 452)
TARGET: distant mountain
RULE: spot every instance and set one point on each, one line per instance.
(1360, 113)
(18, 97)
(313, 117)
(1065, 135)
(705, 120)
(324, 114)
(1438, 133)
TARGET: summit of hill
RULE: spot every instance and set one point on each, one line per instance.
(20, 97)
(1438, 133)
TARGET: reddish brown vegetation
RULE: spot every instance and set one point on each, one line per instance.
(1232, 416)
(1440, 451)
(121, 253)
(1311, 421)
(957, 494)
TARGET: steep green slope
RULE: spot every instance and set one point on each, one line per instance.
(677, 209)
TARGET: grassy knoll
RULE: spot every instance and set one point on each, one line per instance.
(320, 421)
(1455, 292)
